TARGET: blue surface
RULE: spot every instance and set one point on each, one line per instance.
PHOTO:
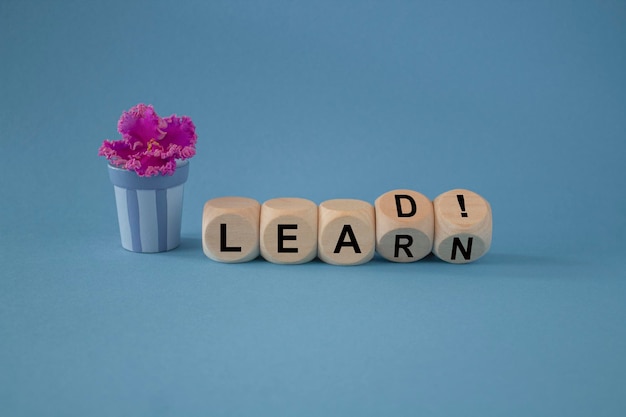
(522, 102)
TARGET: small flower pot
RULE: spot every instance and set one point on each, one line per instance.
(149, 209)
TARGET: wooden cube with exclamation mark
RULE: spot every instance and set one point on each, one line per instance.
(463, 226)
(404, 226)
(230, 229)
(346, 232)
(288, 232)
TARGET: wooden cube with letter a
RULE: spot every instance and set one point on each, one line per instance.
(230, 229)
(404, 225)
(463, 226)
(288, 233)
(346, 234)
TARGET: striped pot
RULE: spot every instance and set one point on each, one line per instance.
(149, 209)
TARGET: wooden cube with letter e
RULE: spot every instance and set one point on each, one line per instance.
(288, 233)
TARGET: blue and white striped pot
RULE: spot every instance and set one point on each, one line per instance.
(149, 209)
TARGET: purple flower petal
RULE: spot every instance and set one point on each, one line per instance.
(118, 152)
(150, 145)
(147, 166)
(141, 123)
(180, 139)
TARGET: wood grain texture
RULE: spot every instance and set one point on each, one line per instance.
(346, 232)
(404, 226)
(463, 226)
(230, 229)
(288, 233)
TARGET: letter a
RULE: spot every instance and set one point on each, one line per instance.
(347, 230)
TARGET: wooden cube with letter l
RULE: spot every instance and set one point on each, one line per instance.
(230, 229)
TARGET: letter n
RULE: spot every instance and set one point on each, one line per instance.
(466, 252)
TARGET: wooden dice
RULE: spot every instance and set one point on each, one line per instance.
(463, 226)
(404, 226)
(346, 233)
(230, 229)
(288, 231)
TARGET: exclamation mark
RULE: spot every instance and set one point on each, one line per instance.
(462, 204)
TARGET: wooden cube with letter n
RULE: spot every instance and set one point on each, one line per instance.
(288, 233)
(346, 233)
(230, 229)
(404, 226)
(463, 226)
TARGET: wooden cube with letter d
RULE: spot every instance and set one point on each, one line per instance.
(404, 226)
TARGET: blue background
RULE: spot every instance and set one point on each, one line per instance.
(522, 102)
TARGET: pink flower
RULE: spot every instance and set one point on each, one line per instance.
(150, 145)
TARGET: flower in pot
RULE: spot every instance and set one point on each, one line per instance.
(148, 168)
